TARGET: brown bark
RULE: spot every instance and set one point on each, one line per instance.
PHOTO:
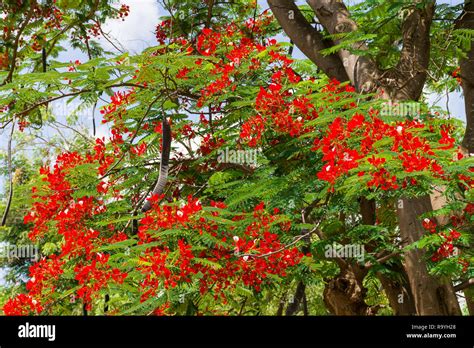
(306, 38)
(432, 295)
(345, 294)
(294, 306)
(466, 21)
(469, 294)
(335, 17)
(468, 89)
(398, 292)
(404, 82)
(368, 210)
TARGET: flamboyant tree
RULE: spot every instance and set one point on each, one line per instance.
(169, 214)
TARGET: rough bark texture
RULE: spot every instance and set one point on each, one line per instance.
(368, 210)
(404, 82)
(345, 294)
(335, 17)
(306, 38)
(398, 291)
(466, 21)
(432, 295)
(411, 70)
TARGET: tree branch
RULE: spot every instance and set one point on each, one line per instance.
(296, 240)
(134, 135)
(16, 46)
(307, 38)
(464, 285)
(382, 259)
(335, 18)
(10, 177)
(415, 54)
(466, 21)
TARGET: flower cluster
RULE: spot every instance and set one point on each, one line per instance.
(446, 249)
(252, 130)
(347, 143)
(57, 213)
(22, 304)
(455, 74)
(448, 236)
(247, 260)
(208, 41)
(123, 12)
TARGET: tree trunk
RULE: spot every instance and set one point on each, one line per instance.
(466, 21)
(414, 59)
(294, 306)
(307, 38)
(398, 292)
(469, 294)
(432, 295)
(345, 294)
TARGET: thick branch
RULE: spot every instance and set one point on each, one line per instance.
(464, 285)
(466, 21)
(335, 18)
(10, 177)
(164, 164)
(382, 259)
(307, 38)
(415, 54)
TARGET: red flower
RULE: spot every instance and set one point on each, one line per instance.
(22, 305)
(429, 225)
(183, 73)
(207, 42)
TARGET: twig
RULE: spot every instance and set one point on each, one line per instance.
(75, 131)
(296, 240)
(109, 40)
(16, 44)
(383, 259)
(133, 137)
(72, 94)
(56, 38)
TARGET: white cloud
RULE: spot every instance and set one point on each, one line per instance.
(137, 31)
